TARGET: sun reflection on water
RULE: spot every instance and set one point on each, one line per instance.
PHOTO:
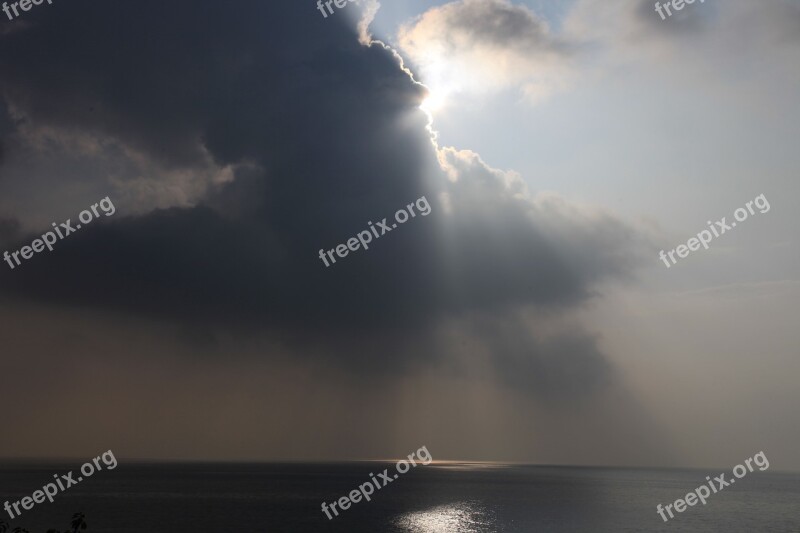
(462, 517)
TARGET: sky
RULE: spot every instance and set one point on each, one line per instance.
(528, 317)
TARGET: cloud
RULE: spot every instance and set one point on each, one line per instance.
(315, 139)
(9, 230)
(477, 46)
(633, 30)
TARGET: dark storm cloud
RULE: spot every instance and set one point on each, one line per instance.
(9, 231)
(6, 128)
(326, 136)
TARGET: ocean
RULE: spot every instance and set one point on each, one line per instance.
(437, 498)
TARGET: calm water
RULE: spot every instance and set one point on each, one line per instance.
(172, 498)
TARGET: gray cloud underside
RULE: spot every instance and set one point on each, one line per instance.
(325, 135)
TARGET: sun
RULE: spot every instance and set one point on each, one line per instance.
(432, 102)
(441, 82)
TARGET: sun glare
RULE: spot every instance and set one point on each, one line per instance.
(442, 82)
(433, 102)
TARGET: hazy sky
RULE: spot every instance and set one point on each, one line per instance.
(561, 145)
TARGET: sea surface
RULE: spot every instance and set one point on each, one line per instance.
(438, 498)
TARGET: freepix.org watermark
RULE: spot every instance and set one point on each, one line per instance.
(365, 237)
(61, 231)
(717, 484)
(63, 482)
(24, 5)
(338, 3)
(365, 490)
(719, 227)
(676, 4)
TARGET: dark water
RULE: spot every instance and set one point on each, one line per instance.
(172, 498)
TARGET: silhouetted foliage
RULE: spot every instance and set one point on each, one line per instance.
(78, 524)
